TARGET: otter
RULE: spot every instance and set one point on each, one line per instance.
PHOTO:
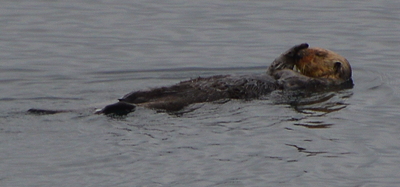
(299, 68)
(312, 68)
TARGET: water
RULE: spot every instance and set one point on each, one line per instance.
(83, 55)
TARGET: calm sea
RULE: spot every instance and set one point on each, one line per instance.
(86, 54)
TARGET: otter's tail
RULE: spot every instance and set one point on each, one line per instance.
(45, 111)
(117, 109)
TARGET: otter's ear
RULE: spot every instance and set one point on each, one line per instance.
(337, 66)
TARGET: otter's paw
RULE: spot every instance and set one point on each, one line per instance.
(287, 59)
(285, 73)
(293, 51)
(291, 80)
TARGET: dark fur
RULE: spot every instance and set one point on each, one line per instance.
(199, 90)
(173, 98)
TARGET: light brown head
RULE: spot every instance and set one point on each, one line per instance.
(322, 63)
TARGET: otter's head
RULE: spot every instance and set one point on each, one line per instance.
(322, 63)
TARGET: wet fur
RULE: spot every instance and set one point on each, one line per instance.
(298, 68)
(199, 90)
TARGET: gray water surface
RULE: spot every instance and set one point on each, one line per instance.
(84, 55)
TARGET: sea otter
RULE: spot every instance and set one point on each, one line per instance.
(312, 68)
(298, 68)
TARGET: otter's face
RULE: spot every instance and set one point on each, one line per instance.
(323, 63)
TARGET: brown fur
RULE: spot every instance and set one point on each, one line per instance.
(322, 63)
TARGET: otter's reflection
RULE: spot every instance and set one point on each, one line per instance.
(314, 105)
(322, 103)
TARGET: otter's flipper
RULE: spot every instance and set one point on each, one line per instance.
(118, 109)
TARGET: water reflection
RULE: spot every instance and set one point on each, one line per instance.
(320, 104)
(313, 107)
(314, 103)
